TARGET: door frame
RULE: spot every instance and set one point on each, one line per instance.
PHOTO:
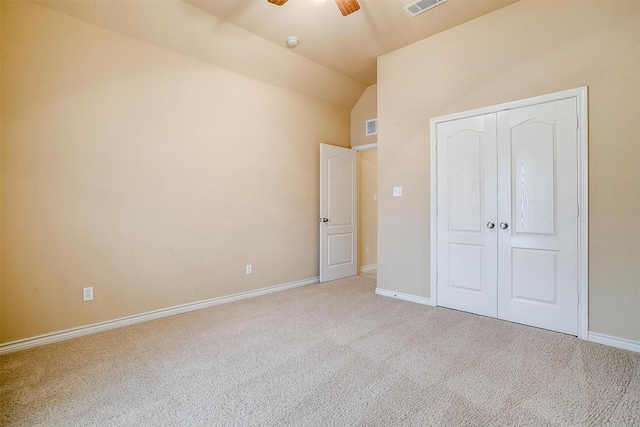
(365, 147)
(581, 95)
(359, 148)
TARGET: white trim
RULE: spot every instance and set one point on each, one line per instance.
(143, 317)
(369, 268)
(583, 220)
(580, 94)
(364, 147)
(614, 342)
(404, 297)
(433, 154)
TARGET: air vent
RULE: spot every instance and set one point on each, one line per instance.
(419, 6)
(371, 127)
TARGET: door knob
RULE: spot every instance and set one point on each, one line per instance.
(490, 225)
(324, 219)
(504, 225)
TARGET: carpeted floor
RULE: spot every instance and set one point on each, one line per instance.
(322, 355)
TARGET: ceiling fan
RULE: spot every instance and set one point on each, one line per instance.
(345, 6)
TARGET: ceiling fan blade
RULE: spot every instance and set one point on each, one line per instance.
(347, 6)
(277, 2)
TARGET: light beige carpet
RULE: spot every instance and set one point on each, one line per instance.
(322, 355)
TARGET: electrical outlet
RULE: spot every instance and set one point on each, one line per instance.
(87, 294)
(248, 269)
(366, 250)
(397, 191)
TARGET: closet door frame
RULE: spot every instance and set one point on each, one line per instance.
(580, 94)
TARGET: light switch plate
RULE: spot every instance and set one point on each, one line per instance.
(397, 191)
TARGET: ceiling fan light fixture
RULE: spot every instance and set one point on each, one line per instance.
(292, 41)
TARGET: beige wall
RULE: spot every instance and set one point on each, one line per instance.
(179, 26)
(366, 108)
(149, 175)
(367, 208)
(526, 49)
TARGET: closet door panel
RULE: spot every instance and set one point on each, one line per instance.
(533, 178)
(466, 204)
(537, 214)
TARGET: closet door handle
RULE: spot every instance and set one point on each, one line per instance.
(490, 225)
(504, 225)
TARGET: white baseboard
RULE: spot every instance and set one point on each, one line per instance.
(143, 317)
(614, 341)
(404, 297)
(369, 268)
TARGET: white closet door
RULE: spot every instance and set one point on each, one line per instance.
(537, 216)
(466, 162)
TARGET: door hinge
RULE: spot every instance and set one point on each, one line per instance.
(577, 122)
(578, 210)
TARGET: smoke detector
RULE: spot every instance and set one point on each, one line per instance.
(292, 41)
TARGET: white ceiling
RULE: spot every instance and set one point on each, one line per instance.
(349, 44)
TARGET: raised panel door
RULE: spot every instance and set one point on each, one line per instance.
(466, 162)
(338, 212)
(537, 214)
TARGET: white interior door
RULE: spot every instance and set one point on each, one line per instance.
(338, 212)
(467, 204)
(538, 216)
(507, 215)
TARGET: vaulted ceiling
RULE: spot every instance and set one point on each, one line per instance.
(334, 62)
(346, 44)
